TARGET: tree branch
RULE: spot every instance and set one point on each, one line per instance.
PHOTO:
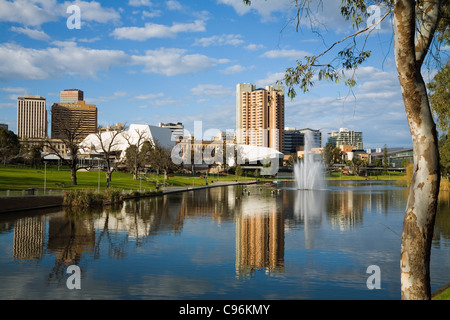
(430, 14)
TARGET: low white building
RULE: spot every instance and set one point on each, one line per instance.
(135, 135)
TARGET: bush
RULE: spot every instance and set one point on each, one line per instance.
(112, 195)
(82, 198)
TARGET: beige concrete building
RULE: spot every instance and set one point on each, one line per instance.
(31, 117)
(260, 116)
(78, 118)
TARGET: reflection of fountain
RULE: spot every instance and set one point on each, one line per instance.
(308, 173)
(308, 206)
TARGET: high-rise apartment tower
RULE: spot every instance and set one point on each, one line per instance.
(346, 137)
(31, 117)
(260, 116)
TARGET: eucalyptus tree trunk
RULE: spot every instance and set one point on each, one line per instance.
(411, 48)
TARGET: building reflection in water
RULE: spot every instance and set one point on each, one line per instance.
(29, 236)
(261, 219)
(259, 237)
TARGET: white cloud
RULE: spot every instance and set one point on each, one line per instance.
(253, 47)
(67, 58)
(89, 40)
(28, 13)
(173, 5)
(324, 15)
(171, 61)
(151, 14)
(38, 12)
(224, 39)
(116, 95)
(212, 90)
(32, 33)
(18, 90)
(150, 96)
(285, 54)
(270, 79)
(375, 107)
(265, 8)
(152, 30)
(34, 64)
(93, 11)
(138, 3)
(237, 68)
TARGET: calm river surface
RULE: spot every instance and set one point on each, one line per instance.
(238, 243)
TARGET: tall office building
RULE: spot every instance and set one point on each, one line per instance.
(31, 117)
(346, 137)
(295, 139)
(260, 116)
(72, 96)
(78, 119)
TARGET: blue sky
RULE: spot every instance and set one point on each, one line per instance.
(151, 61)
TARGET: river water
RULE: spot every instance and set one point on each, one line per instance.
(239, 243)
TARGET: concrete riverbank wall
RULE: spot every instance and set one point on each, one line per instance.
(24, 203)
(10, 204)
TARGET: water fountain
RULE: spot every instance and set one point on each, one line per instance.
(308, 173)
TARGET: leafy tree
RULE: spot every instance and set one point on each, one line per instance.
(238, 171)
(385, 160)
(71, 134)
(109, 142)
(356, 165)
(439, 90)
(134, 156)
(159, 158)
(415, 23)
(9, 145)
(33, 155)
(444, 152)
(332, 154)
(133, 160)
(293, 158)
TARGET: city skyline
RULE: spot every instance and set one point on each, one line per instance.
(149, 62)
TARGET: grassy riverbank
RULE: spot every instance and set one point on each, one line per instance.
(58, 178)
(53, 178)
(443, 294)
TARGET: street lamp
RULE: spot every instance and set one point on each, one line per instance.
(45, 176)
(98, 169)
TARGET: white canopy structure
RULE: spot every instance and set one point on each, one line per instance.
(136, 134)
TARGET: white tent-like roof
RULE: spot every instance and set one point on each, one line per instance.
(91, 144)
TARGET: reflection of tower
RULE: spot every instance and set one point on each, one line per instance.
(346, 209)
(29, 236)
(260, 242)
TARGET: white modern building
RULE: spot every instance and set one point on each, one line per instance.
(135, 135)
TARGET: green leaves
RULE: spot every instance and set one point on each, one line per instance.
(356, 10)
(440, 98)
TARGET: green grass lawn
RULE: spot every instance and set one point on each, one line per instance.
(393, 176)
(444, 295)
(21, 178)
